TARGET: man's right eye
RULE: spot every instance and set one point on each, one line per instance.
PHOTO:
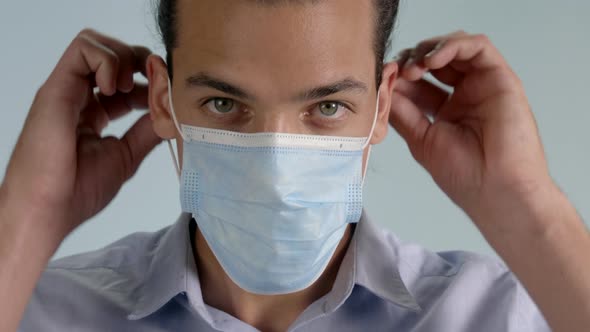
(221, 105)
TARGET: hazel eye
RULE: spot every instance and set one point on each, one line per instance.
(221, 105)
(329, 114)
(329, 109)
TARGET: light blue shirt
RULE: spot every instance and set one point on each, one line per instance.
(149, 282)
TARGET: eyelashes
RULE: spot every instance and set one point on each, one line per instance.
(324, 114)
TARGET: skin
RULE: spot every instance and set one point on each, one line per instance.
(483, 149)
(274, 54)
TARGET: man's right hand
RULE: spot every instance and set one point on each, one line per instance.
(62, 171)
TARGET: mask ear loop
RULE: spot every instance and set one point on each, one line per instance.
(173, 113)
(366, 166)
(174, 160)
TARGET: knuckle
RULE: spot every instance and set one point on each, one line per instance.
(508, 80)
(423, 45)
(517, 81)
(402, 55)
(482, 39)
(88, 43)
(41, 96)
(459, 33)
(81, 41)
(140, 51)
(450, 42)
(86, 32)
(406, 52)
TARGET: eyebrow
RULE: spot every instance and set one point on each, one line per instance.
(202, 79)
(347, 84)
(344, 85)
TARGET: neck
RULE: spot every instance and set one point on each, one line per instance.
(220, 292)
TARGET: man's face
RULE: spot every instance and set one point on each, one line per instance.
(292, 68)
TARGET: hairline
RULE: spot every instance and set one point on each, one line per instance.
(379, 58)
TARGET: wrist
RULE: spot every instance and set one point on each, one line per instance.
(517, 217)
(28, 223)
(544, 242)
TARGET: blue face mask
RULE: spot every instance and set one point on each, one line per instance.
(272, 207)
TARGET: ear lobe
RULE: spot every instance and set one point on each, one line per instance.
(390, 71)
(157, 74)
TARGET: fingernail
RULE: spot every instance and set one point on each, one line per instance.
(410, 62)
(434, 50)
(128, 87)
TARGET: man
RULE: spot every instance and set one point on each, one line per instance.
(256, 93)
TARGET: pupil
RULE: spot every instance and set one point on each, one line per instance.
(329, 108)
(224, 105)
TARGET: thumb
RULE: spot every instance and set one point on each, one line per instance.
(410, 123)
(137, 143)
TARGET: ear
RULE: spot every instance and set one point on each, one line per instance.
(157, 73)
(390, 72)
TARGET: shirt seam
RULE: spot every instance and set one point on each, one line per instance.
(138, 261)
(114, 269)
(424, 275)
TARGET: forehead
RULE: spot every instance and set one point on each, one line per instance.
(288, 42)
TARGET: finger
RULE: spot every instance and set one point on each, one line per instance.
(410, 123)
(120, 104)
(132, 58)
(86, 63)
(136, 144)
(448, 75)
(402, 57)
(68, 87)
(414, 68)
(474, 51)
(141, 55)
(427, 97)
(93, 119)
(428, 45)
(103, 109)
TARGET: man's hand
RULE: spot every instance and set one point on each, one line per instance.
(483, 149)
(62, 171)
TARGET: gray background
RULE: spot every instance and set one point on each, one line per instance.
(545, 41)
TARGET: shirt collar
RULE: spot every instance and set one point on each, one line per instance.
(171, 271)
(371, 262)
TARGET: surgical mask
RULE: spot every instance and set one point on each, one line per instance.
(272, 207)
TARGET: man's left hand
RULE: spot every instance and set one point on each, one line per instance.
(482, 147)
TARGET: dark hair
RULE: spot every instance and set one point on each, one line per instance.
(385, 19)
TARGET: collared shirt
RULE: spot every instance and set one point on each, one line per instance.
(149, 282)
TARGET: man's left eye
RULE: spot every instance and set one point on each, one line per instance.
(330, 109)
(221, 105)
